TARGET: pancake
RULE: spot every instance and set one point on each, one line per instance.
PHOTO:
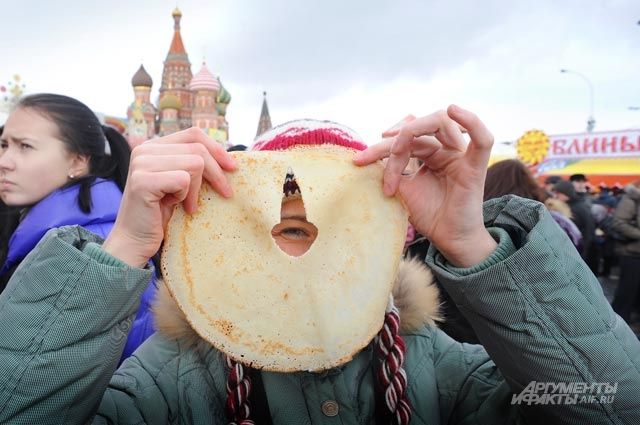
(270, 310)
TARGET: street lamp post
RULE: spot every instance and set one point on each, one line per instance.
(591, 122)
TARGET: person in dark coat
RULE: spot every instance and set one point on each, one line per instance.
(582, 217)
(626, 221)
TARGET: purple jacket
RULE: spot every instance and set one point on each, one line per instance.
(61, 208)
(569, 228)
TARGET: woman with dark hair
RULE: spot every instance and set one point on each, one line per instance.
(59, 166)
(512, 177)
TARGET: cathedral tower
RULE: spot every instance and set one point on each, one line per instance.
(176, 74)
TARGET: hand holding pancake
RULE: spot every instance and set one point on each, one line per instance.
(162, 173)
(444, 196)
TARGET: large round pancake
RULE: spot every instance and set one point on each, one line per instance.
(270, 310)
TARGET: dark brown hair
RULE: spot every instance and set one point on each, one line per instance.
(81, 132)
(512, 177)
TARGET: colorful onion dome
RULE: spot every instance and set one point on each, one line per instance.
(176, 12)
(141, 78)
(170, 101)
(223, 95)
(204, 80)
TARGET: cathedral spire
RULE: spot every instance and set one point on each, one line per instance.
(265, 119)
(177, 46)
(176, 76)
(176, 19)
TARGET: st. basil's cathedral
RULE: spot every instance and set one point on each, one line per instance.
(185, 100)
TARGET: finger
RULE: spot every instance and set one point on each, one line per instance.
(439, 125)
(196, 135)
(155, 186)
(479, 148)
(424, 147)
(450, 135)
(418, 127)
(390, 133)
(399, 155)
(393, 131)
(191, 199)
(373, 153)
(192, 164)
(212, 170)
(171, 188)
(414, 139)
(176, 186)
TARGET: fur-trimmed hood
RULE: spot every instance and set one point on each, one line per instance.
(414, 293)
(555, 204)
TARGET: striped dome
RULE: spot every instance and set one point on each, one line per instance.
(204, 80)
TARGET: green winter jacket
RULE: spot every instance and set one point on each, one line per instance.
(539, 312)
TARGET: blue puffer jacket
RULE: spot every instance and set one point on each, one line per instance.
(61, 208)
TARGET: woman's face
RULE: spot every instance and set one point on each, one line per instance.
(294, 234)
(33, 161)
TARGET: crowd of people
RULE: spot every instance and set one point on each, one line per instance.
(83, 220)
(607, 219)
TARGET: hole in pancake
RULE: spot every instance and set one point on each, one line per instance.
(294, 235)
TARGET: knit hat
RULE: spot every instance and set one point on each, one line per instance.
(308, 132)
(566, 188)
(552, 180)
(305, 132)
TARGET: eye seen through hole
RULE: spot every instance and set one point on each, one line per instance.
(294, 234)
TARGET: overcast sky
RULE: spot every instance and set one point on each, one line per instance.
(365, 64)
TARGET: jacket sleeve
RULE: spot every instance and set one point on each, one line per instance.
(65, 316)
(134, 395)
(166, 381)
(542, 317)
(624, 214)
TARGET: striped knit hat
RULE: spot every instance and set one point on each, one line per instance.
(305, 132)
(391, 379)
(308, 132)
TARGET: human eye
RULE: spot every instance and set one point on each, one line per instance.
(295, 233)
(25, 146)
(4, 144)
